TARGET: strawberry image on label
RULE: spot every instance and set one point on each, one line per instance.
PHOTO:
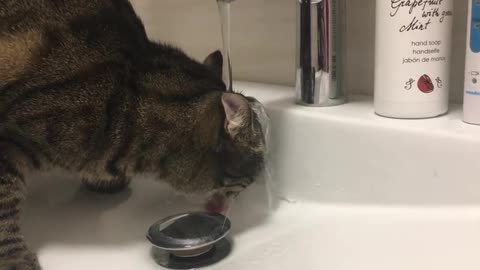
(425, 84)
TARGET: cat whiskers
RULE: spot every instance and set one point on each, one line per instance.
(229, 207)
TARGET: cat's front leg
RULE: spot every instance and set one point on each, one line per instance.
(28, 261)
(14, 253)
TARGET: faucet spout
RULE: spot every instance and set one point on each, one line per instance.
(320, 53)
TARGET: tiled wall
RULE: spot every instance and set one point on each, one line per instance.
(263, 37)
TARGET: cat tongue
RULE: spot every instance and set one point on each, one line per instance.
(217, 204)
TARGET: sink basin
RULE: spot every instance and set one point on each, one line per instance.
(352, 191)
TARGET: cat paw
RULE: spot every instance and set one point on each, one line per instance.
(28, 262)
(107, 186)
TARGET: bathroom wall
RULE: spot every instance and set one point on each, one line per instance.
(263, 37)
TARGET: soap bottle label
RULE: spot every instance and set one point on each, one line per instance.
(471, 107)
(413, 50)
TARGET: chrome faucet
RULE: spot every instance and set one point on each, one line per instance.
(320, 79)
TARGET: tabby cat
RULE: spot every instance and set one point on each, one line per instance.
(83, 89)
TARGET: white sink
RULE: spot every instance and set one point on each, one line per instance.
(353, 192)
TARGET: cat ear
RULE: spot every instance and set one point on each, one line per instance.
(214, 62)
(237, 112)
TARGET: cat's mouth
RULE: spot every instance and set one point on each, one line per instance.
(217, 203)
(220, 202)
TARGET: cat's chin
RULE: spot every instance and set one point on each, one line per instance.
(217, 203)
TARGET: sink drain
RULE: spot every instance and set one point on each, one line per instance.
(218, 252)
(190, 240)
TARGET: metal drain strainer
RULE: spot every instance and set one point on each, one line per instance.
(190, 240)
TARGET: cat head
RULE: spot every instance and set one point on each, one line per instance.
(227, 149)
(242, 145)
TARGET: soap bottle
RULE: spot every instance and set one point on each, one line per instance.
(412, 58)
(471, 106)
